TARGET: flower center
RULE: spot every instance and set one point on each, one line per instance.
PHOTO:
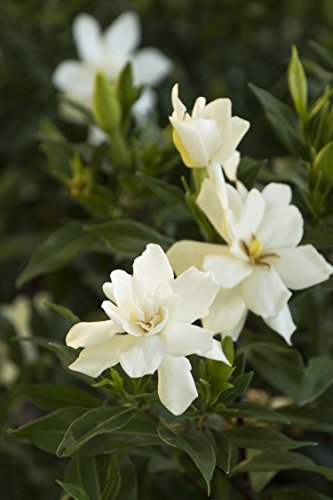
(149, 321)
(254, 249)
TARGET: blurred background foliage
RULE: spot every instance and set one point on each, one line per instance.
(218, 47)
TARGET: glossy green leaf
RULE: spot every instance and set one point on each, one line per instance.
(278, 461)
(55, 396)
(317, 378)
(255, 411)
(283, 121)
(127, 236)
(106, 105)
(195, 445)
(47, 432)
(74, 491)
(298, 87)
(64, 312)
(58, 249)
(223, 451)
(97, 421)
(249, 436)
(240, 384)
(323, 163)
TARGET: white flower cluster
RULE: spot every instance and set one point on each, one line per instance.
(150, 313)
(262, 258)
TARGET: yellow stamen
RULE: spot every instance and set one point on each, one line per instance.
(255, 248)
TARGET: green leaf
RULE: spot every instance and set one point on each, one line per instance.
(298, 495)
(129, 484)
(19, 245)
(240, 384)
(249, 169)
(323, 163)
(127, 236)
(317, 378)
(64, 312)
(277, 461)
(47, 432)
(93, 423)
(194, 444)
(58, 249)
(249, 436)
(316, 417)
(54, 396)
(136, 432)
(73, 491)
(298, 87)
(170, 194)
(283, 121)
(223, 451)
(255, 411)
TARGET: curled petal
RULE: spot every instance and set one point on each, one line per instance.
(189, 139)
(176, 387)
(230, 138)
(216, 353)
(282, 324)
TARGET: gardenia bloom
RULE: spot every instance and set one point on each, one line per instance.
(150, 327)
(210, 136)
(261, 260)
(109, 52)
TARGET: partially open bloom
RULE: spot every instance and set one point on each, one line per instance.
(261, 260)
(109, 52)
(150, 327)
(209, 136)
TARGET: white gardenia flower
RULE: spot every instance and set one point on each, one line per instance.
(209, 137)
(150, 327)
(109, 52)
(261, 260)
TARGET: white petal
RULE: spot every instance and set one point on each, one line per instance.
(281, 227)
(141, 356)
(197, 291)
(264, 292)
(228, 312)
(227, 270)
(210, 203)
(231, 165)
(179, 109)
(282, 324)
(230, 138)
(150, 269)
(185, 254)
(209, 135)
(176, 387)
(276, 194)
(88, 39)
(108, 291)
(144, 105)
(76, 79)
(198, 107)
(302, 267)
(216, 353)
(91, 333)
(95, 359)
(182, 339)
(253, 212)
(150, 67)
(191, 141)
(122, 287)
(122, 318)
(123, 35)
(219, 110)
